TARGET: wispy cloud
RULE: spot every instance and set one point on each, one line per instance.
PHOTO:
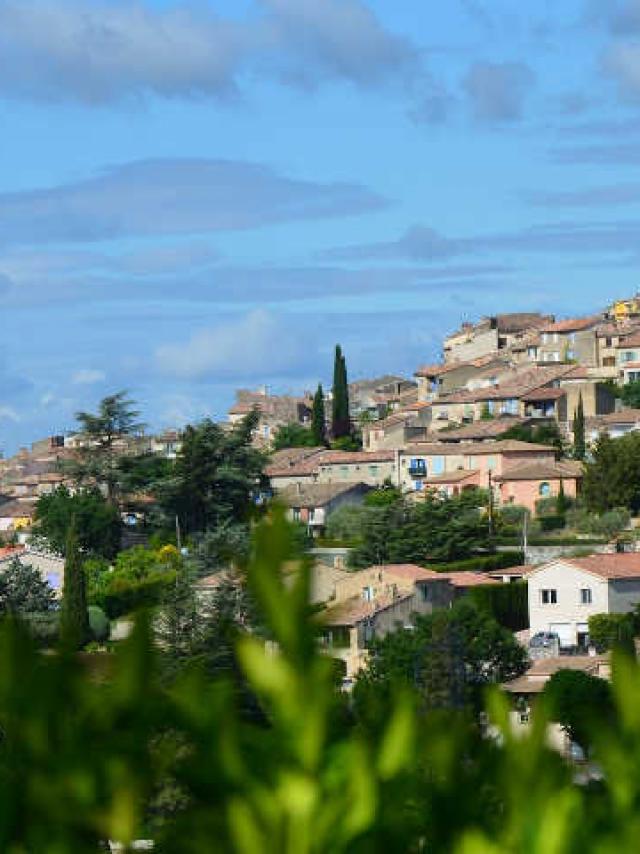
(253, 346)
(88, 376)
(497, 90)
(173, 196)
(610, 196)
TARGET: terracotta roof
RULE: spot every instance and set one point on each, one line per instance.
(541, 670)
(437, 370)
(17, 509)
(481, 429)
(311, 495)
(10, 551)
(578, 372)
(541, 470)
(613, 566)
(467, 579)
(501, 446)
(408, 571)
(625, 416)
(523, 569)
(627, 365)
(544, 394)
(457, 476)
(631, 340)
(356, 609)
(355, 457)
(522, 321)
(213, 581)
(573, 324)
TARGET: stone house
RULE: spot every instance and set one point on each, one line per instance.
(572, 340)
(491, 334)
(564, 593)
(312, 503)
(371, 603)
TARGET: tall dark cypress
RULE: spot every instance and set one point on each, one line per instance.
(340, 423)
(579, 445)
(74, 617)
(318, 424)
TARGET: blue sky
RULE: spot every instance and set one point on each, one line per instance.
(201, 196)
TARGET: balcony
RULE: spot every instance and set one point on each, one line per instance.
(417, 469)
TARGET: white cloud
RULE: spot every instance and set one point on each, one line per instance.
(8, 413)
(252, 347)
(87, 376)
(100, 51)
(105, 50)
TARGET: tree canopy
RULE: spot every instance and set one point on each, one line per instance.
(449, 656)
(294, 435)
(612, 478)
(97, 521)
(435, 529)
(23, 590)
(340, 416)
(579, 702)
(97, 459)
(318, 418)
(216, 474)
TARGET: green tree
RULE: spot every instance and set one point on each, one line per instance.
(580, 703)
(293, 435)
(630, 394)
(436, 529)
(24, 591)
(546, 433)
(449, 657)
(74, 618)
(340, 417)
(318, 418)
(562, 503)
(98, 522)
(612, 477)
(485, 413)
(216, 475)
(579, 443)
(103, 435)
(611, 631)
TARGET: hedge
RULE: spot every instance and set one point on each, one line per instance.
(506, 603)
(481, 563)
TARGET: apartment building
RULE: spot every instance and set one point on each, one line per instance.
(491, 334)
(572, 340)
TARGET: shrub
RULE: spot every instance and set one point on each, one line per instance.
(123, 596)
(44, 627)
(99, 624)
(551, 523)
(513, 514)
(607, 631)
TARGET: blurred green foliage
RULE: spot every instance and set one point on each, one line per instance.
(85, 759)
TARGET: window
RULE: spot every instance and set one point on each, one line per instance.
(628, 356)
(491, 463)
(367, 593)
(571, 354)
(544, 489)
(373, 470)
(296, 514)
(437, 465)
(344, 471)
(585, 596)
(545, 338)
(549, 597)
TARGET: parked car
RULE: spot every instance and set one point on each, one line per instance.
(544, 640)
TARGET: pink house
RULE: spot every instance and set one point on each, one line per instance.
(528, 483)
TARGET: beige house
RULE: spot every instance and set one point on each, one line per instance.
(564, 593)
(573, 340)
(491, 334)
(371, 603)
(312, 503)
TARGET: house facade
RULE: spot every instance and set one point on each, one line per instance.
(564, 593)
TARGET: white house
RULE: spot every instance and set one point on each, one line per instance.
(564, 593)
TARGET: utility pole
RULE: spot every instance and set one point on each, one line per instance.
(178, 538)
(490, 509)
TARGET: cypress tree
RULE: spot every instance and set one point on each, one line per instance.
(340, 421)
(561, 501)
(74, 617)
(579, 446)
(318, 425)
